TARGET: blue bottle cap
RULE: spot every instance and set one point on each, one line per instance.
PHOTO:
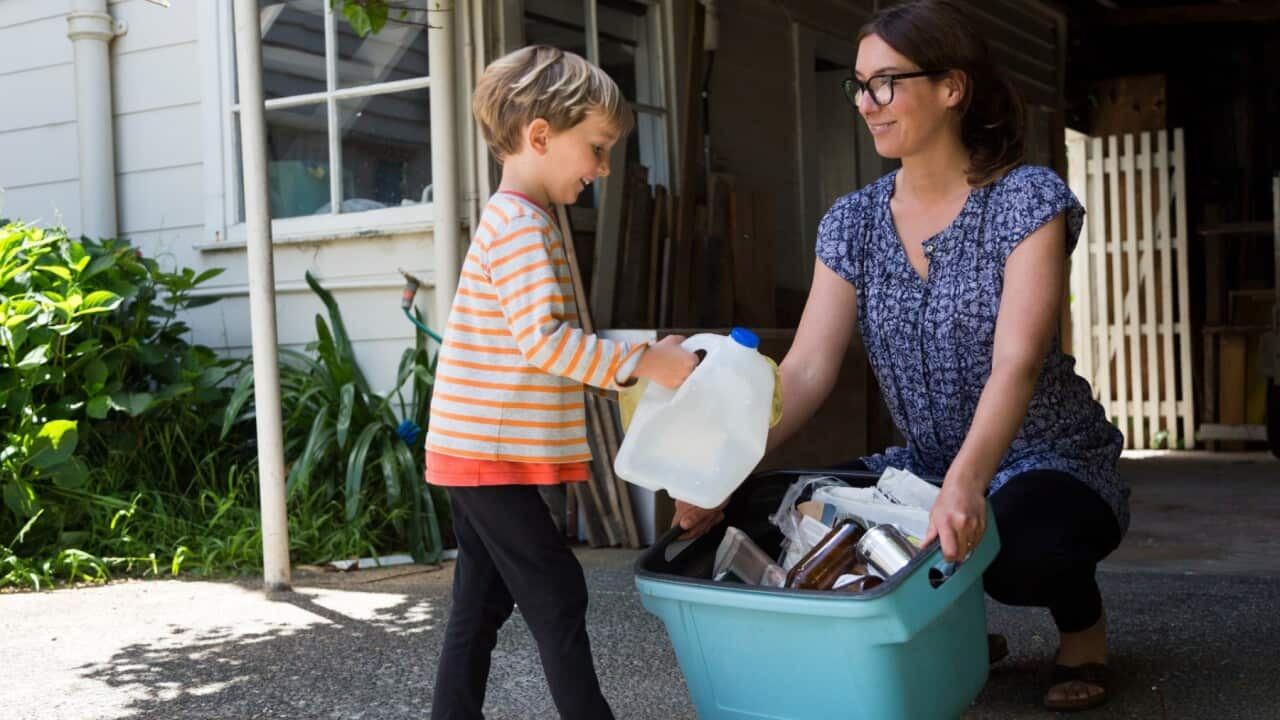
(745, 338)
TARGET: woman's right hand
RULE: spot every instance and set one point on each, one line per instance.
(695, 520)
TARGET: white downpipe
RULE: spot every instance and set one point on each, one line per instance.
(91, 30)
(441, 19)
(262, 298)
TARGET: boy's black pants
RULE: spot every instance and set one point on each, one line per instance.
(510, 554)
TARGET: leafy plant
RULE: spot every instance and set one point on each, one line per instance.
(122, 452)
(348, 443)
(105, 399)
(88, 334)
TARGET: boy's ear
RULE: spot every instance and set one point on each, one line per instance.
(537, 135)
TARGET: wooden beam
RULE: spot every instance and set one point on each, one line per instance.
(1247, 11)
(684, 233)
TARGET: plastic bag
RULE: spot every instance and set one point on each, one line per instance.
(899, 498)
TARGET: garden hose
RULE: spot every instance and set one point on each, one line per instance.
(410, 291)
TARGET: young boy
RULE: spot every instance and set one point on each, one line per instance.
(507, 410)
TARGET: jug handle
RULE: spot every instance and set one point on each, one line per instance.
(702, 343)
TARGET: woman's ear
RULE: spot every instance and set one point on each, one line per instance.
(537, 135)
(955, 83)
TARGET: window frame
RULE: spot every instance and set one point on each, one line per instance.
(224, 228)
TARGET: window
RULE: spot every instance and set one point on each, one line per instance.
(348, 118)
(629, 46)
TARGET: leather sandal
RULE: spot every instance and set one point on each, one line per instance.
(1094, 674)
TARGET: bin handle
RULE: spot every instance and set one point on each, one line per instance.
(662, 547)
(977, 561)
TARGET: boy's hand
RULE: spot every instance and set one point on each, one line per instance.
(666, 363)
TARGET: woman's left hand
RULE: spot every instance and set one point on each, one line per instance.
(958, 519)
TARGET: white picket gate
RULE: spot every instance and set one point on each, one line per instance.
(1130, 312)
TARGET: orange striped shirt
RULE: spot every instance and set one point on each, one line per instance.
(514, 362)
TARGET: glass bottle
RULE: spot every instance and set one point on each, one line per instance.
(830, 558)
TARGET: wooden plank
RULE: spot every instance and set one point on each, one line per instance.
(1115, 326)
(1240, 11)
(596, 536)
(1132, 306)
(618, 517)
(1233, 351)
(765, 237)
(690, 143)
(1184, 302)
(611, 486)
(609, 421)
(1097, 225)
(1214, 431)
(1082, 265)
(600, 481)
(738, 234)
(631, 295)
(725, 260)
(1130, 103)
(657, 247)
(604, 273)
(666, 285)
(1157, 392)
(750, 231)
(1210, 390)
(1166, 293)
(712, 294)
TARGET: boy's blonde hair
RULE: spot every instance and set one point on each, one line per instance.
(541, 81)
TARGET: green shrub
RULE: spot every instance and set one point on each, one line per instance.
(348, 444)
(123, 454)
(98, 385)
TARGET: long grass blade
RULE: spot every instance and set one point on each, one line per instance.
(355, 469)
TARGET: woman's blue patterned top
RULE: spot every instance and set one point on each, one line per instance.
(930, 341)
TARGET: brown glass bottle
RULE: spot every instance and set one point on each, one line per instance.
(830, 558)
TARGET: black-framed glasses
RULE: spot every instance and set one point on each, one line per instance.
(880, 87)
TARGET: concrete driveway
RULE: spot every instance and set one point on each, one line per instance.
(1192, 598)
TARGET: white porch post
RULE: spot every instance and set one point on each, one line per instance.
(262, 298)
(442, 19)
(91, 30)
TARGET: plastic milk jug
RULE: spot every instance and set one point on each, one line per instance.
(701, 440)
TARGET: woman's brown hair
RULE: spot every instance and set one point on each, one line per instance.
(940, 35)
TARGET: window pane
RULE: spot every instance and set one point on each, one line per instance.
(297, 161)
(651, 147)
(397, 52)
(386, 150)
(292, 47)
(558, 24)
(622, 29)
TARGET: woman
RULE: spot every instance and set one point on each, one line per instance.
(952, 268)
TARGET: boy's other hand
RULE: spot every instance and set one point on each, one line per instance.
(666, 363)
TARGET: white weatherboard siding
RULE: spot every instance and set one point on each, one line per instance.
(38, 162)
(162, 114)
